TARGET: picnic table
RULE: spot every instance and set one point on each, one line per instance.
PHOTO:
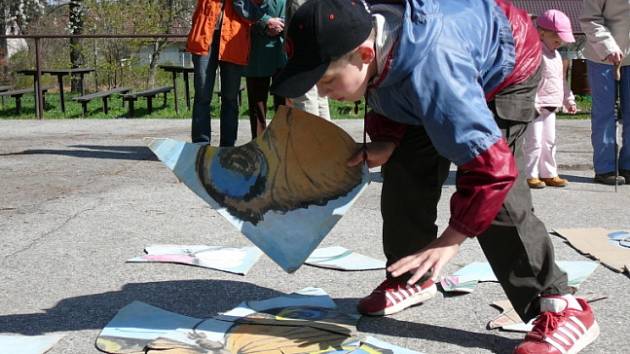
(184, 70)
(60, 73)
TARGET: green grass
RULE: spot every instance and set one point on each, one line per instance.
(338, 110)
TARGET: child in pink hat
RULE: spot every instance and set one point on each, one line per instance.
(553, 93)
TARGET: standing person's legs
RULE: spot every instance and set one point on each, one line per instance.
(532, 145)
(322, 106)
(311, 102)
(205, 68)
(230, 86)
(306, 103)
(624, 156)
(548, 167)
(257, 94)
(602, 82)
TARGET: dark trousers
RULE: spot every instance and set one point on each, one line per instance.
(257, 94)
(205, 68)
(516, 245)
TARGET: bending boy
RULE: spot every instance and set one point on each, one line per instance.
(446, 83)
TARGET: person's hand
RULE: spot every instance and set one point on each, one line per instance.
(375, 153)
(572, 109)
(614, 58)
(275, 26)
(433, 257)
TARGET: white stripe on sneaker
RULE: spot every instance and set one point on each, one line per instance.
(578, 322)
(391, 298)
(569, 334)
(405, 293)
(398, 296)
(555, 345)
(563, 340)
(575, 330)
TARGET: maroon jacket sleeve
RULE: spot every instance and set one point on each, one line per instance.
(382, 129)
(482, 185)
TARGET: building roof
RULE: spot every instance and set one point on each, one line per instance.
(572, 8)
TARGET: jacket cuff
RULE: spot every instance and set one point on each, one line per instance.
(482, 185)
(380, 128)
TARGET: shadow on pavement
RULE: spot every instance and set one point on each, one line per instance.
(206, 298)
(95, 152)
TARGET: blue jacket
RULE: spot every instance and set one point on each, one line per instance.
(448, 59)
(449, 54)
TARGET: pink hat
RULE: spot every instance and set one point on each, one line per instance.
(558, 22)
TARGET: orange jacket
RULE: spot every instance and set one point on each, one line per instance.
(235, 41)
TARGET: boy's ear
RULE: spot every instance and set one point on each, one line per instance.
(366, 52)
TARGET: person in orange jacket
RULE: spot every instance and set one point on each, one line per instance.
(220, 37)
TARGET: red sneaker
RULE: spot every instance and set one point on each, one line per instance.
(394, 295)
(566, 331)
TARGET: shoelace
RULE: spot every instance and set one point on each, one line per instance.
(545, 323)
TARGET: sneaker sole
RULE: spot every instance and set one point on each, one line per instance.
(415, 299)
(586, 339)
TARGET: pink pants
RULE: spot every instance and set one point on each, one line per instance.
(539, 146)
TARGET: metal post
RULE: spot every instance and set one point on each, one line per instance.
(39, 102)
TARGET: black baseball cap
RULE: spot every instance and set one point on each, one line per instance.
(319, 32)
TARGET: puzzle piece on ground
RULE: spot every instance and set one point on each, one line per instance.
(466, 278)
(337, 257)
(228, 259)
(18, 344)
(595, 243)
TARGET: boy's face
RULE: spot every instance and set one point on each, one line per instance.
(551, 39)
(347, 79)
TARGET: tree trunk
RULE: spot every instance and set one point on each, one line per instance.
(4, 48)
(158, 45)
(76, 54)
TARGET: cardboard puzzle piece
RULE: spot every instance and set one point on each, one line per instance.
(292, 323)
(284, 190)
(466, 279)
(228, 259)
(18, 344)
(341, 258)
(595, 243)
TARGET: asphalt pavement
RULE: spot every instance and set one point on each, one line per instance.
(79, 197)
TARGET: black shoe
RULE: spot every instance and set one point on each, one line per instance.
(609, 179)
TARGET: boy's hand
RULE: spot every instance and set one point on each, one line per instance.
(375, 153)
(572, 109)
(433, 257)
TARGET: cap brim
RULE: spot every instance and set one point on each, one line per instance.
(294, 81)
(566, 37)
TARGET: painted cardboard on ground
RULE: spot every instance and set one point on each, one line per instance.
(341, 258)
(303, 322)
(465, 279)
(595, 243)
(284, 190)
(227, 259)
(17, 344)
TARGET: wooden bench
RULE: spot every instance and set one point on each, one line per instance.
(148, 94)
(85, 99)
(17, 94)
(4, 88)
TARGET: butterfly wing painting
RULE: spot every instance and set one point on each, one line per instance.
(284, 191)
